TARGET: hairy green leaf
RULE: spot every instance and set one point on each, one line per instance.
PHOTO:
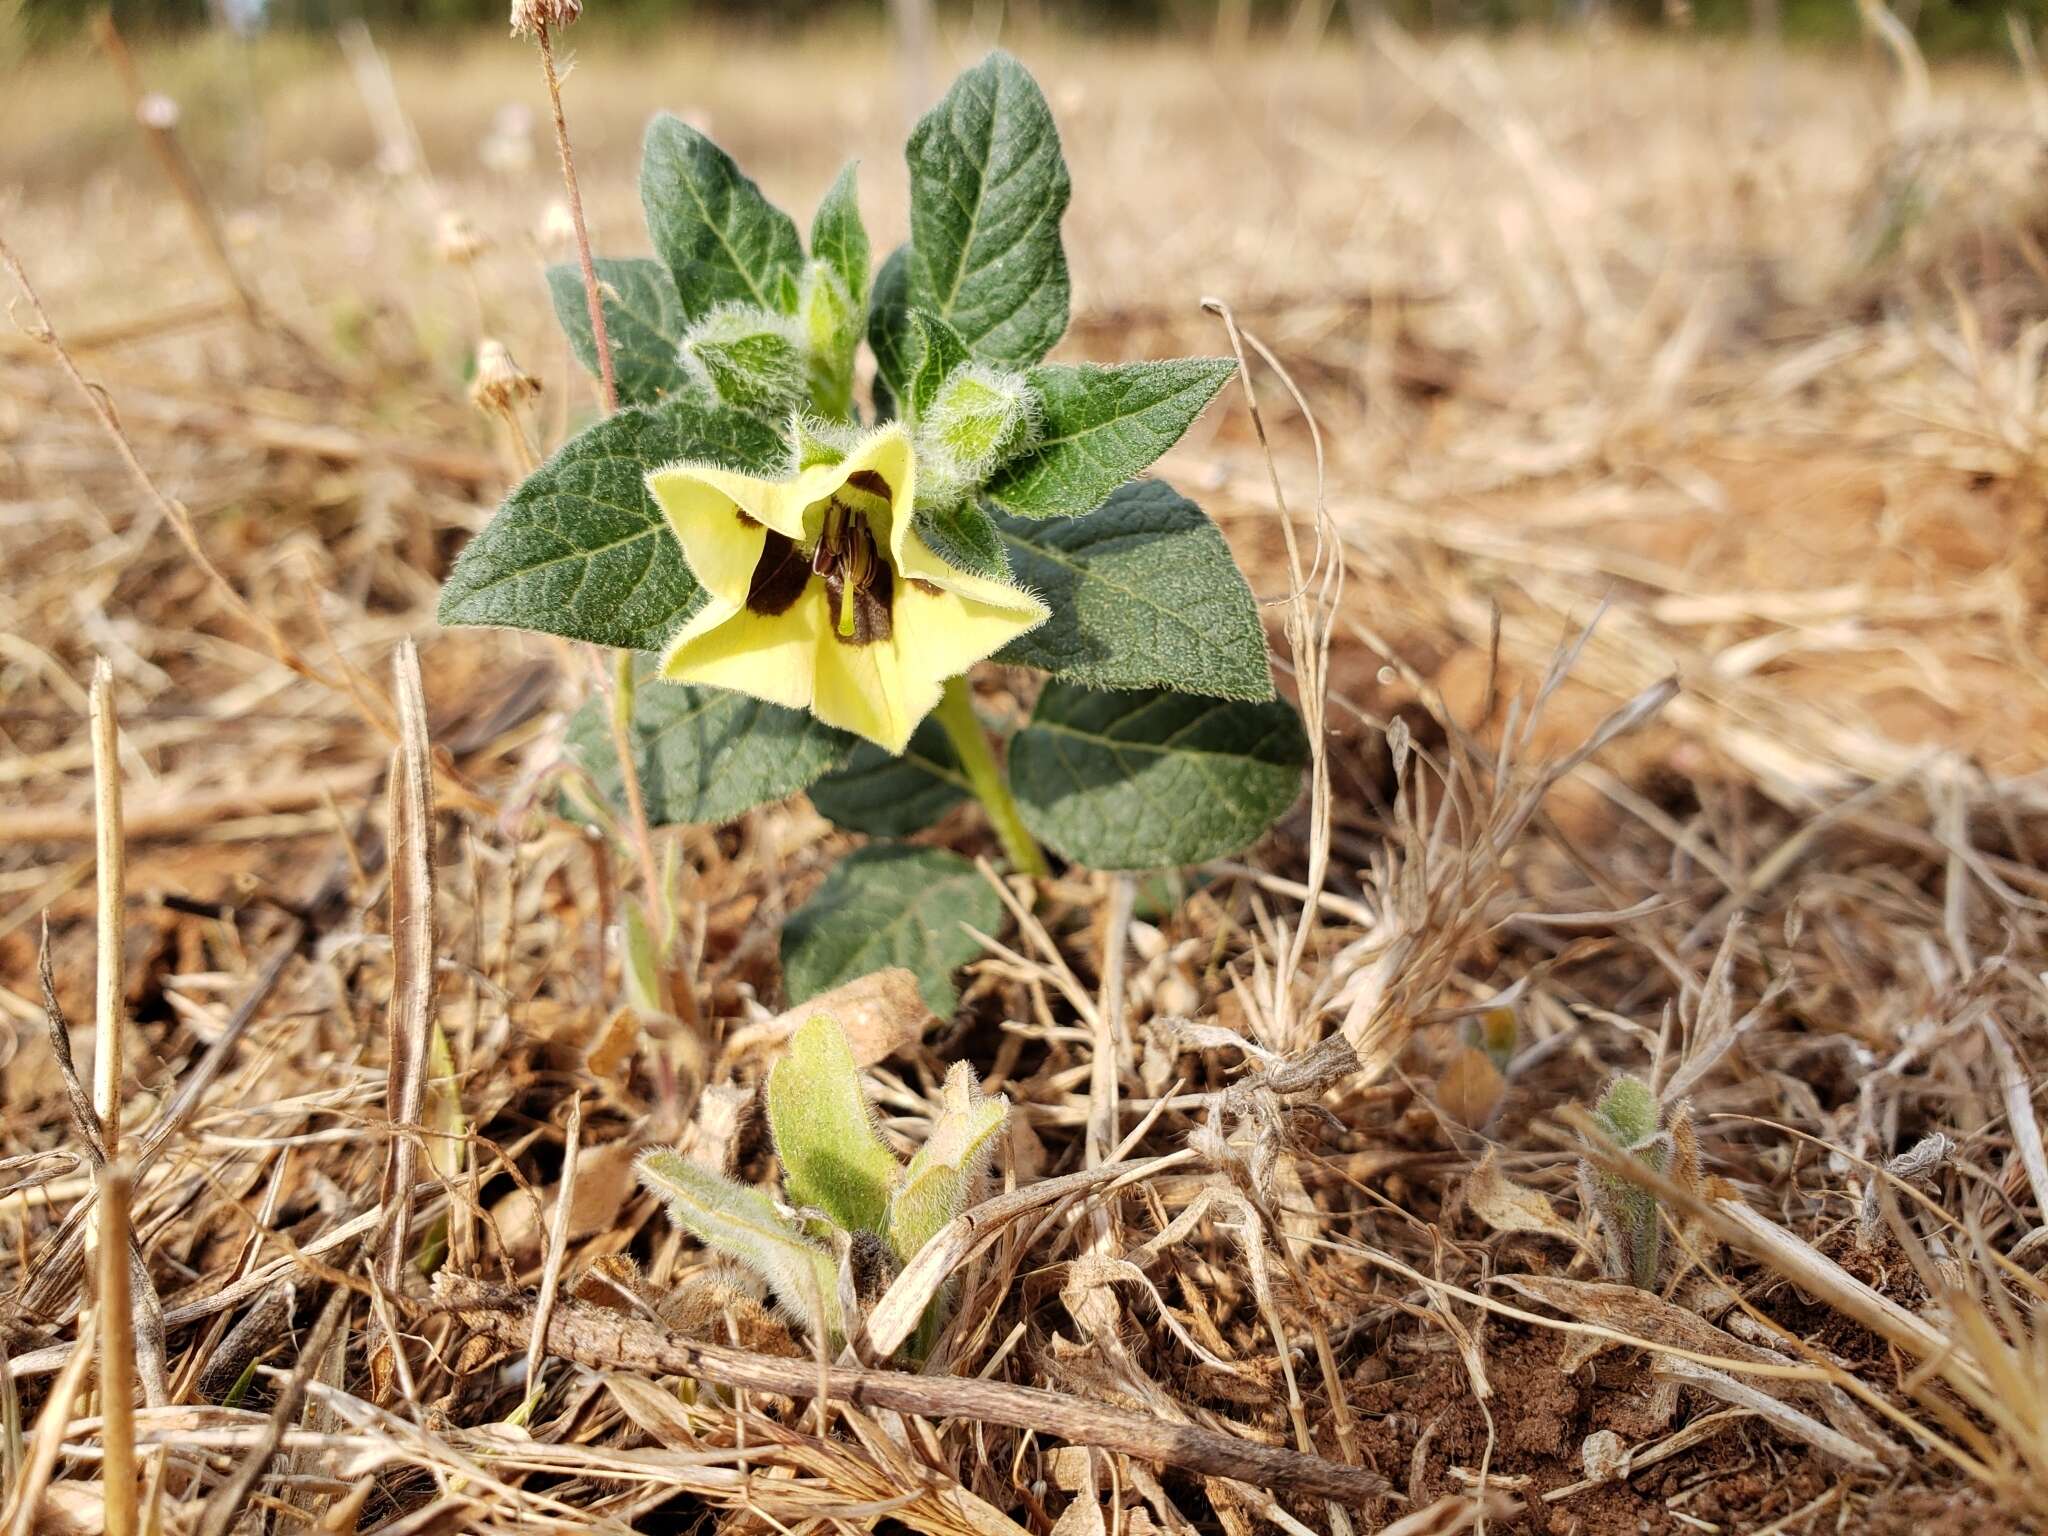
(1147, 780)
(884, 906)
(581, 550)
(892, 336)
(839, 238)
(942, 1175)
(964, 535)
(742, 1223)
(939, 350)
(724, 242)
(1144, 594)
(643, 318)
(1100, 426)
(705, 754)
(833, 1158)
(886, 796)
(988, 186)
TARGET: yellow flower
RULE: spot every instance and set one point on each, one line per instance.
(822, 596)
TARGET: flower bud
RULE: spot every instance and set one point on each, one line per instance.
(980, 417)
(831, 330)
(751, 359)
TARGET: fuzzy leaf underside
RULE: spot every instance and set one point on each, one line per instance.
(833, 1158)
(643, 319)
(1144, 594)
(988, 186)
(742, 1223)
(724, 242)
(884, 906)
(1101, 426)
(886, 796)
(705, 755)
(1147, 780)
(580, 549)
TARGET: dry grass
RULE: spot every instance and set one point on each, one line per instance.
(1630, 363)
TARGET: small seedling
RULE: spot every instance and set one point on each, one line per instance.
(1630, 1116)
(854, 1213)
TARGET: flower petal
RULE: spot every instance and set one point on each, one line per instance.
(872, 690)
(772, 658)
(720, 547)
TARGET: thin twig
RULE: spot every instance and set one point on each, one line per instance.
(602, 1339)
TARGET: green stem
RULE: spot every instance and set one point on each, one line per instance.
(963, 728)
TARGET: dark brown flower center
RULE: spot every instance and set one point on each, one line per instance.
(859, 585)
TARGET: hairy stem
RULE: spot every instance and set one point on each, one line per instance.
(590, 293)
(963, 728)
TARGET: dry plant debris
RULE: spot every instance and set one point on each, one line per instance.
(1614, 384)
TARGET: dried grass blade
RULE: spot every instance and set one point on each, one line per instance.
(410, 1017)
(1780, 1415)
(2019, 1111)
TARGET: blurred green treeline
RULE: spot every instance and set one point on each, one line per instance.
(1943, 27)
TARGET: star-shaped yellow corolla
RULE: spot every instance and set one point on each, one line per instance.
(822, 596)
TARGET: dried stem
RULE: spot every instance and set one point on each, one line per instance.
(602, 1339)
(117, 1352)
(106, 780)
(170, 155)
(174, 512)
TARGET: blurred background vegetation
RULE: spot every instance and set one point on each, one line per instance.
(1942, 27)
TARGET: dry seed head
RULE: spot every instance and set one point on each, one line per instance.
(457, 241)
(557, 229)
(529, 16)
(501, 386)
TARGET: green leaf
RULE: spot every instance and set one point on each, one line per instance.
(884, 906)
(940, 1180)
(987, 188)
(964, 535)
(705, 754)
(1144, 594)
(722, 239)
(581, 550)
(891, 335)
(833, 1158)
(839, 238)
(1147, 780)
(643, 318)
(1101, 426)
(939, 350)
(886, 796)
(742, 1223)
